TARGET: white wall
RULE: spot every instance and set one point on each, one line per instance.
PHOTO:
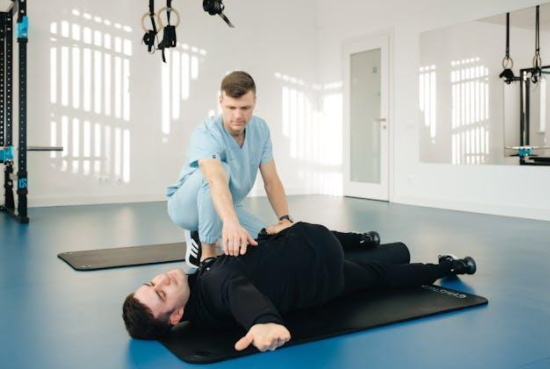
(294, 50)
(158, 105)
(514, 191)
(4, 5)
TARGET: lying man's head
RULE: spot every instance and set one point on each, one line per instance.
(156, 306)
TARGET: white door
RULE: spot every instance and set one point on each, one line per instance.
(366, 133)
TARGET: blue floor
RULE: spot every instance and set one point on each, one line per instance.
(54, 317)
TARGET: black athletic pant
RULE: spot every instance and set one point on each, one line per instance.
(361, 276)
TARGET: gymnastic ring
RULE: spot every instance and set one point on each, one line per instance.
(507, 63)
(165, 9)
(145, 29)
(537, 61)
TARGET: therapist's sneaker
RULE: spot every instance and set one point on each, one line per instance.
(193, 251)
(370, 239)
(466, 265)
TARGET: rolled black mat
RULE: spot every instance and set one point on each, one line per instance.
(360, 311)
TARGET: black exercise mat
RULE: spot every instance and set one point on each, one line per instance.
(124, 256)
(395, 253)
(347, 314)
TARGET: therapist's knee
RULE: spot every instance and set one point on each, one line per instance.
(181, 213)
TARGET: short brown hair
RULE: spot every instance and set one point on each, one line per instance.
(140, 321)
(237, 84)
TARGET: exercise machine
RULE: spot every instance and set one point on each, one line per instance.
(526, 152)
(10, 156)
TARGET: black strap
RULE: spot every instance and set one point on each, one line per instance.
(537, 71)
(169, 38)
(537, 37)
(152, 14)
(507, 63)
(168, 10)
(507, 35)
(149, 37)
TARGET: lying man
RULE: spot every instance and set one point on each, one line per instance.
(300, 267)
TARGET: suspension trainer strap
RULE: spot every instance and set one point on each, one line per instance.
(169, 38)
(537, 35)
(507, 63)
(507, 35)
(537, 62)
(149, 37)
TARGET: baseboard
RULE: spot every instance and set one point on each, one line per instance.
(475, 207)
(37, 202)
(256, 192)
(481, 208)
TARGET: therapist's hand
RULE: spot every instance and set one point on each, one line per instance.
(235, 239)
(267, 336)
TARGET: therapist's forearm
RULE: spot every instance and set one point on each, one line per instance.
(223, 201)
(277, 198)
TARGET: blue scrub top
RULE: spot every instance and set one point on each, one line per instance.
(211, 140)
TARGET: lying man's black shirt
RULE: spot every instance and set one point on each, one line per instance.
(300, 267)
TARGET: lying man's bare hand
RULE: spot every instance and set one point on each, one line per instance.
(265, 337)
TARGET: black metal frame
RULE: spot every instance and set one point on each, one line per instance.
(6, 104)
(525, 107)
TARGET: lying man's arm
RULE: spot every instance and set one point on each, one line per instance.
(250, 308)
(268, 336)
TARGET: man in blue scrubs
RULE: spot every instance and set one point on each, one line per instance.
(223, 159)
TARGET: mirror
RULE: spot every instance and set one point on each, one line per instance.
(468, 115)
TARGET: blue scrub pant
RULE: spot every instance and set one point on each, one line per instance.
(191, 207)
